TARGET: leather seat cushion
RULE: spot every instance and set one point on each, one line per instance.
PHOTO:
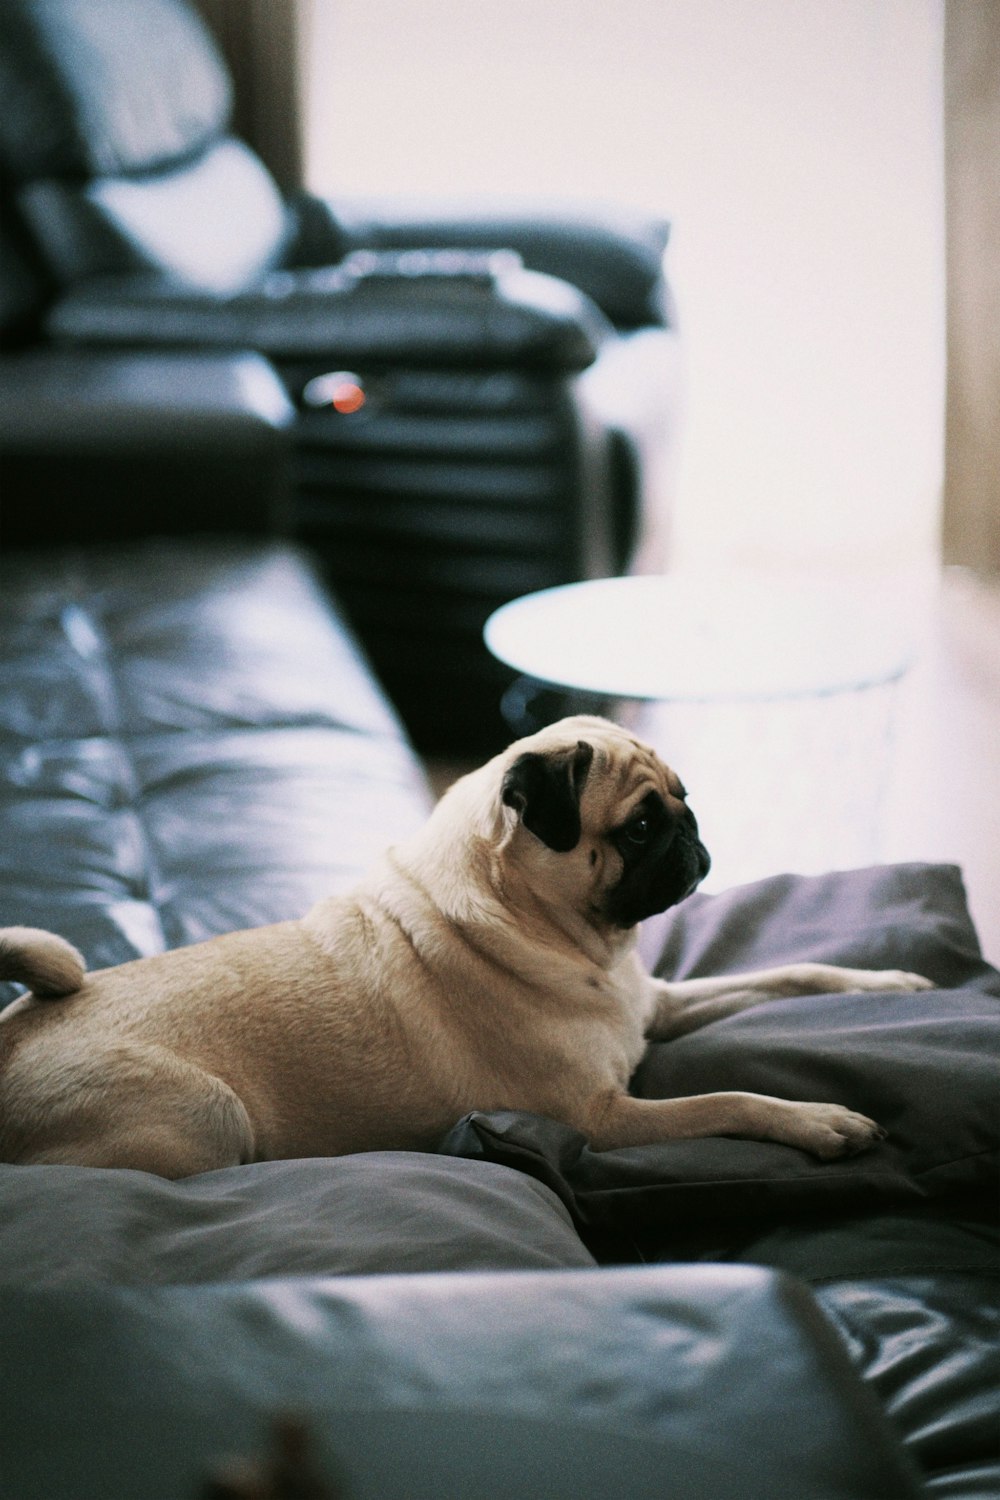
(698, 1381)
(192, 743)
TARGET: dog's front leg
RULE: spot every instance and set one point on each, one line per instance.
(684, 1005)
(826, 1130)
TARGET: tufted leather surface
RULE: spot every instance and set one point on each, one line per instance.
(930, 1348)
(190, 743)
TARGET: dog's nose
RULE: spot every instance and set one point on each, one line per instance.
(702, 863)
(686, 833)
(688, 825)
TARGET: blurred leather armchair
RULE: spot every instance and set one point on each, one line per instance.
(513, 367)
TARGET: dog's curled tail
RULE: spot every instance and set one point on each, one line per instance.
(47, 964)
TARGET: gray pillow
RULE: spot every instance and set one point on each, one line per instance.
(924, 1065)
(377, 1212)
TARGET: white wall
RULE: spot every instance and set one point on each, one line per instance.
(797, 146)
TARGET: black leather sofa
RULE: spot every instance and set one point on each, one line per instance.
(191, 742)
(517, 362)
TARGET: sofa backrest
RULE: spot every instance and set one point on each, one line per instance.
(115, 134)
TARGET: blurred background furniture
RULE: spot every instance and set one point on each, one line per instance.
(510, 373)
(116, 443)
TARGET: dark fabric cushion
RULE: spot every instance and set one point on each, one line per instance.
(350, 1215)
(912, 916)
(924, 1065)
(97, 88)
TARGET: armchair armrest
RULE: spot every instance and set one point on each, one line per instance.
(448, 308)
(116, 442)
(612, 255)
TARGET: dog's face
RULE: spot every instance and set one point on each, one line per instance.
(603, 820)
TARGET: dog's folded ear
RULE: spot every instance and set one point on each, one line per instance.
(545, 789)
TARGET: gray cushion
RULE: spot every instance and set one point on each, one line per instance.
(378, 1212)
(924, 1065)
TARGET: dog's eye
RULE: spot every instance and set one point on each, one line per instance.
(638, 829)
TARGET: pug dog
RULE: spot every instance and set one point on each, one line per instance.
(489, 963)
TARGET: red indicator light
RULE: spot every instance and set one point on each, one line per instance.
(341, 389)
(347, 397)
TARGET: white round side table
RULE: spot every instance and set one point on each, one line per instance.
(774, 700)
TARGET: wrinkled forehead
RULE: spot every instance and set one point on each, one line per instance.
(625, 770)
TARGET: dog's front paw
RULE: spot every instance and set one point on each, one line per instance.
(884, 981)
(899, 979)
(829, 1130)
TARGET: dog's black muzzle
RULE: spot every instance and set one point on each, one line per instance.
(660, 872)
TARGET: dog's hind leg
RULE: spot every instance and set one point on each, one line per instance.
(127, 1105)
